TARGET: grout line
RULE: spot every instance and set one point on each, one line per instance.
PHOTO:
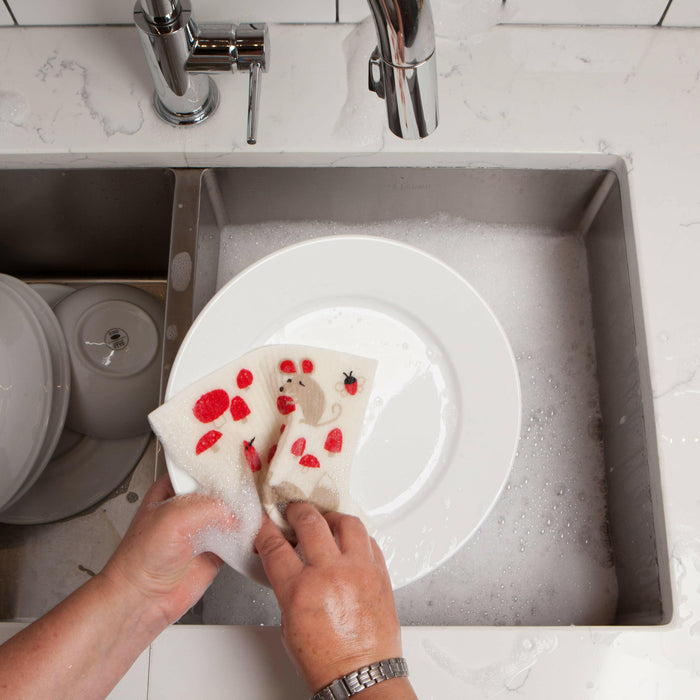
(337, 11)
(663, 16)
(148, 674)
(12, 14)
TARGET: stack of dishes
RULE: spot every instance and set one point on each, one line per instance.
(52, 468)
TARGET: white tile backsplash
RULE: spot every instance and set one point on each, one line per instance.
(353, 10)
(35, 12)
(645, 12)
(683, 13)
(72, 11)
(5, 16)
(453, 18)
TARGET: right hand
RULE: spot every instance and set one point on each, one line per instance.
(338, 611)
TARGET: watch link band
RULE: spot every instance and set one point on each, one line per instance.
(365, 677)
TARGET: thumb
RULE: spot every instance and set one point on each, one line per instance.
(192, 515)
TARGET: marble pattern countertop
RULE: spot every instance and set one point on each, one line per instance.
(80, 97)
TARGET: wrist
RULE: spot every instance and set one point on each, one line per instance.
(136, 613)
(368, 677)
(394, 689)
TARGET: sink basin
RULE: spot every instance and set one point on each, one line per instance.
(577, 535)
(79, 227)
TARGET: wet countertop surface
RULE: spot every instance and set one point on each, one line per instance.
(525, 96)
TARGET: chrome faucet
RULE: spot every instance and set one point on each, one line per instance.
(180, 53)
(402, 69)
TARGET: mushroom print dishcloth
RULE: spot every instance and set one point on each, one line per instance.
(280, 423)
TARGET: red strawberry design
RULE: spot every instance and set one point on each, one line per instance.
(288, 367)
(350, 383)
(271, 453)
(244, 379)
(285, 405)
(207, 440)
(307, 366)
(239, 408)
(251, 455)
(210, 406)
(298, 447)
(309, 461)
(334, 441)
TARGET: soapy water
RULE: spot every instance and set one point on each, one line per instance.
(542, 556)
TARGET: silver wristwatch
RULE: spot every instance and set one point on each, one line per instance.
(364, 677)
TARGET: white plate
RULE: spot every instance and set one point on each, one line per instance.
(84, 472)
(26, 391)
(443, 420)
(60, 369)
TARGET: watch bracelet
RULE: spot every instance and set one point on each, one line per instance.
(365, 677)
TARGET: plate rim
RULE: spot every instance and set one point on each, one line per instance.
(47, 375)
(61, 380)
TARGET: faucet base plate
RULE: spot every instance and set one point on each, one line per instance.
(196, 116)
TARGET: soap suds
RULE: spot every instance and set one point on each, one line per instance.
(542, 556)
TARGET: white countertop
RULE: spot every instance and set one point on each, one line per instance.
(80, 97)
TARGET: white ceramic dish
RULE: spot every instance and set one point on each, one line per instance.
(26, 391)
(114, 334)
(84, 472)
(60, 368)
(444, 417)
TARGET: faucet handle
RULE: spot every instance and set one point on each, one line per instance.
(253, 103)
(253, 54)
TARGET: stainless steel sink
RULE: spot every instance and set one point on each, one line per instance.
(577, 536)
(79, 227)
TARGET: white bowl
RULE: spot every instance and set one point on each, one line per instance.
(114, 334)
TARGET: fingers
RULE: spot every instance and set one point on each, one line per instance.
(351, 534)
(278, 557)
(316, 540)
(161, 490)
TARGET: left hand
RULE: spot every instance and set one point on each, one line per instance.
(158, 558)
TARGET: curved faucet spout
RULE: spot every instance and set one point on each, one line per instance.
(405, 30)
(402, 69)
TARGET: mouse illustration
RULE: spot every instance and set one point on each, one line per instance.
(310, 397)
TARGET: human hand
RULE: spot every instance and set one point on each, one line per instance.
(338, 611)
(158, 560)
(84, 645)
